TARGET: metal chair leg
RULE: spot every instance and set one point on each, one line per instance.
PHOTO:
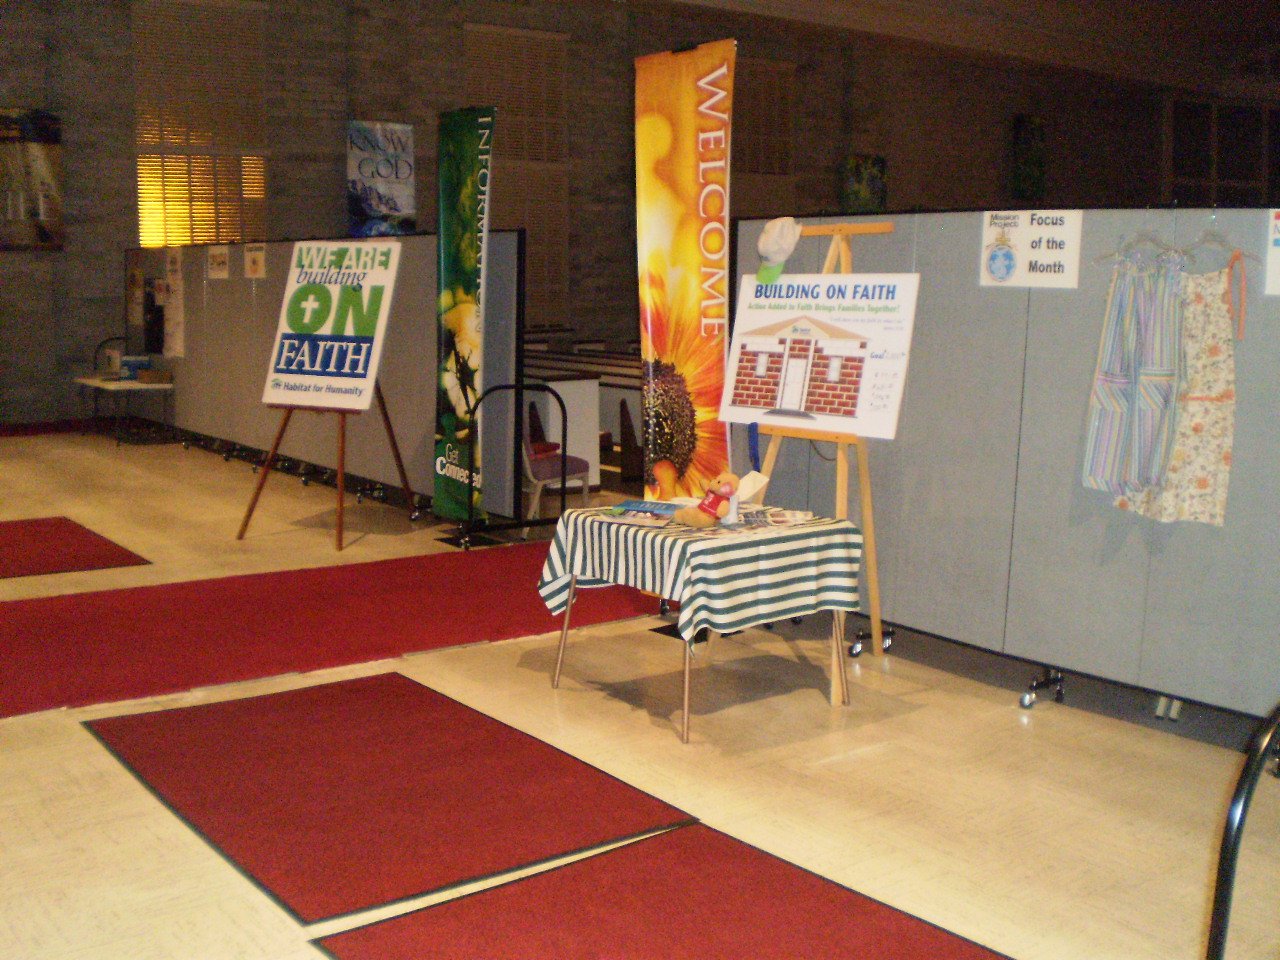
(564, 631)
(684, 719)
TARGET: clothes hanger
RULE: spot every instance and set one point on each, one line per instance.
(1139, 239)
(1216, 238)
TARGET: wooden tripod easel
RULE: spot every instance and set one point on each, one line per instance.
(842, 441)
(342, 460)
(840, 250)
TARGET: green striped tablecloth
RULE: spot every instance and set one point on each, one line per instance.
(723, 581)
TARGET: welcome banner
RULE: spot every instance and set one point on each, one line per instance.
(466, 143)
(332, 324)
(683, 108)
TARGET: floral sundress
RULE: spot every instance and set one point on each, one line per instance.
(1199, 467)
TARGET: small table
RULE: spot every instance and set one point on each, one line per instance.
(120, 391)
(724, 579)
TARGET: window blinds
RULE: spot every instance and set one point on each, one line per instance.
(198, 77)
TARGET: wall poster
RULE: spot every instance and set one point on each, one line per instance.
(332, 324)
(175, 316)
(217, 262)
(381, 198)
(255, 261)
(1031, 248)
(822, 351)
(684, 107)
(1273, 253)
(31, 181)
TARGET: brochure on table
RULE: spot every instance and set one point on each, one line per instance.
(822, 351)
(332, 324)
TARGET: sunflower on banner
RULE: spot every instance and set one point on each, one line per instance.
(683, 108)
(685, 443)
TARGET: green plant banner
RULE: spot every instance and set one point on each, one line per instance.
(466, 142)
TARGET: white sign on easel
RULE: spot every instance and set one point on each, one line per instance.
(823, 351)
(332, 324)
(1030, 248)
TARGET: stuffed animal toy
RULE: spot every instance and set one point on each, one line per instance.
(714, 506)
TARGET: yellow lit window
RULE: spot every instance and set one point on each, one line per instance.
(202, 169)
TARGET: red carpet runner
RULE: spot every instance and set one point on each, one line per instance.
(348, 795)
(145, 641)
(30, 548)
(691, 893)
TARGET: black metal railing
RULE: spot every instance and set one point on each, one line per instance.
(1262, 748)
(468, 527)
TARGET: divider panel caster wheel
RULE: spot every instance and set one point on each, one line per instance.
(865, 636)
(1052, 679)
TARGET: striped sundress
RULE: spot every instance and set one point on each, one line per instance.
(1133, 400)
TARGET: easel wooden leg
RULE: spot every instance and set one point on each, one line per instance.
(395, 451)
(833, 251)
(839, 676)
(265, 472)
(342, 469)
(869, 552)
(770, 460)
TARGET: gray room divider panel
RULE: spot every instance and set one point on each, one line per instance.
(1212, 613)
(1079, 564)
(230, 327)
(944, 487)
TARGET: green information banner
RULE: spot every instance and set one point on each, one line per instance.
(466, 142)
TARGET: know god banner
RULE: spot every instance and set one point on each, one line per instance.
(683, 115)
(381, 195)
(332, 324)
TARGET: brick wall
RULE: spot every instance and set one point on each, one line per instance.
(836, 397)
(757, 391)
(942, 119)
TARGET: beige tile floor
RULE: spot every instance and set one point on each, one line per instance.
(1053, 833)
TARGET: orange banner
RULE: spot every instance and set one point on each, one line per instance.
(683, 109)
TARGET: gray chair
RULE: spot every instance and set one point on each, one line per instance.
(541, 471)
